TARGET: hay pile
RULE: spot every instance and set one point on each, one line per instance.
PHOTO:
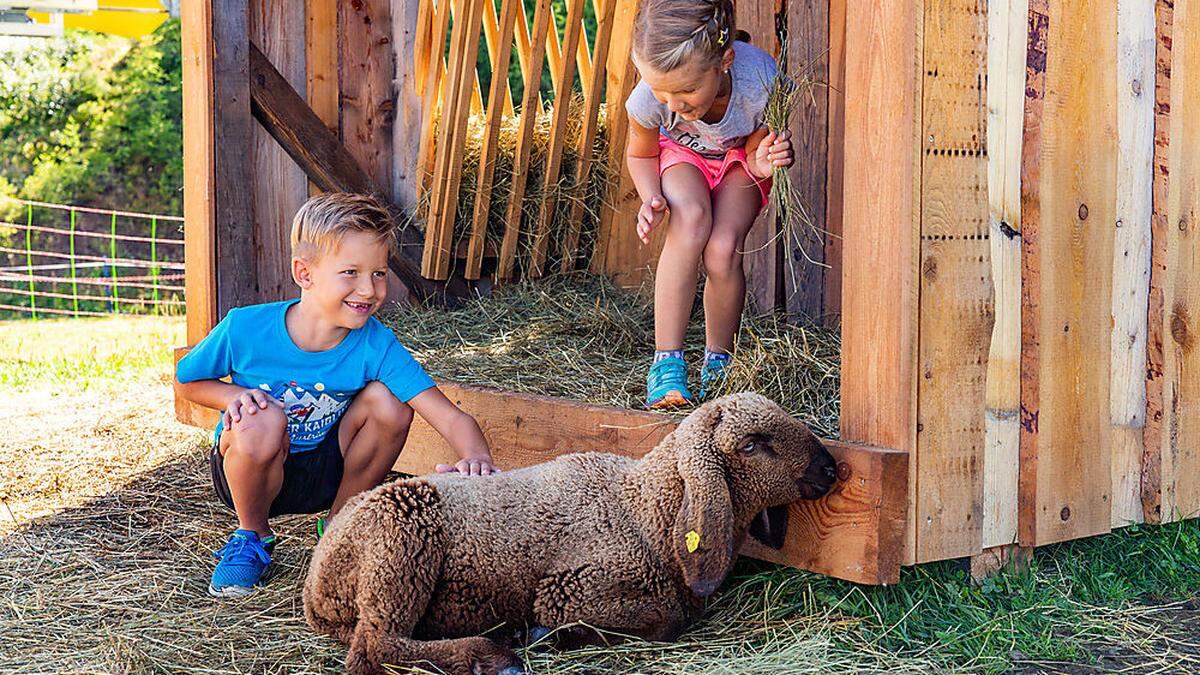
(568, 190)
(580, 337)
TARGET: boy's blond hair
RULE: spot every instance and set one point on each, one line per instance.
(322, 221)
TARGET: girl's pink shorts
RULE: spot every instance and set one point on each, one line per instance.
(671, 153)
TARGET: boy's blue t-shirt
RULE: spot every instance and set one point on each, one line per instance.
(252, 345)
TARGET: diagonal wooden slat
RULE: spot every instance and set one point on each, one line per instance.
(433, 85)
(591, 118)
(508, 247)
(525, 49)
(448, 173)
(558, 128)
(491, 135)
(491, 32)
(553, 50)
(328, 164)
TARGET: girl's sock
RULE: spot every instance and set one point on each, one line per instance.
(710, 355)
(660, 354)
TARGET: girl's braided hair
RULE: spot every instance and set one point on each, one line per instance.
(670, 33)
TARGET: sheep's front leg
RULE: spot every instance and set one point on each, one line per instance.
(462, 656)
(620, 603)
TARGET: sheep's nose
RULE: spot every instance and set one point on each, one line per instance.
(819, 476)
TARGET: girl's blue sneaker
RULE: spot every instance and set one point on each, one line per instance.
(666, 384)
(240, 565)
(712, 373)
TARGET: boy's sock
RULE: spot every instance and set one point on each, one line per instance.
(711, 355)
(660, 354)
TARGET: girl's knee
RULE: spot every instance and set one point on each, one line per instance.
(722, 258)
(691, 220)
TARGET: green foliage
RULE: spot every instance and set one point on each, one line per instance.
(95, 120)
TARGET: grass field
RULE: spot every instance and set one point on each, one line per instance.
(107, 521)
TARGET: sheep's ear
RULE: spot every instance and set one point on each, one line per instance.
(703, 532)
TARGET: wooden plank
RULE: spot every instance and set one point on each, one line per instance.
(1031, 264)
(563, 95)
(237, 268)
(434, 86)
(833, 181)
(554, 50)
(1131, 254)
(321, 64)
(956, 291)
(448, 170)
(583, 55)
(1180, 453)
(367, 66)
(804, 250)
(491, 33)
(524, 50)
(761, 251)
(512, 217)
(199, 250)
(853, 533)
(491, 135)
(881, 225)
(279, 188)
(1152, 432)
(618, 251)
(1072, 486)
(328, 164)
(406, 131)
(1007, 36)
(591, 107)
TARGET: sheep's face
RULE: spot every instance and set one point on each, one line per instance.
(772, 460)
(742, 458)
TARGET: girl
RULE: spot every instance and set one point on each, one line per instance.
(698, 150)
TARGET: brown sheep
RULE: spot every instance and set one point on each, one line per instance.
(414, 571)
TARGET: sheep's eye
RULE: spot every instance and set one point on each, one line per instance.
(751, 445)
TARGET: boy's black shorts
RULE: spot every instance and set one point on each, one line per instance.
(310, 479)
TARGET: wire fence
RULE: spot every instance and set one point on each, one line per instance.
(59, 260)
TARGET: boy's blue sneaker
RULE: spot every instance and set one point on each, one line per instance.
(240, 565)
(712, 374)
(666, 384)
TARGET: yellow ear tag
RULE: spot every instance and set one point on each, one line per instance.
(692, 540)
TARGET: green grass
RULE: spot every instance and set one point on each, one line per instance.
(83, 353)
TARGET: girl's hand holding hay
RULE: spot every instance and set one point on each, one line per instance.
(773, 151)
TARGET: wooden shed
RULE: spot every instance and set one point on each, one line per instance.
(1009, 192)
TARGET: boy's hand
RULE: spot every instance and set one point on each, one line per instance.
(249, 402)
(774, 150)
(471, 466)
(650, 215)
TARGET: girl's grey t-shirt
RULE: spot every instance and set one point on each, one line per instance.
(753, 73)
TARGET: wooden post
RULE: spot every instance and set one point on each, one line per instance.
(881, 228)
(199, 229)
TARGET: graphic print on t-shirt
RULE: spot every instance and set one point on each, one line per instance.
(311, 409)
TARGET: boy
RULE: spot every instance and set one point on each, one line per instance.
(321, 393)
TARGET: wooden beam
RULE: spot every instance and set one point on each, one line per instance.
(330, 166)
(198, 178)
(1131, 254)
(881, 226)
(804, 263)
(233, 174)
(1070, 492)
(853, 533)
(279, 187)
(1007, 29)
(406, 131)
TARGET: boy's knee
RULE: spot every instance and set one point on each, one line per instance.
(384, 409)
(259, 437)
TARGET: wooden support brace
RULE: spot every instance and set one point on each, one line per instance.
(298, 130)
(855, 532)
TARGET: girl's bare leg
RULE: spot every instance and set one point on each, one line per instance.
(736, 203)
(688, 231)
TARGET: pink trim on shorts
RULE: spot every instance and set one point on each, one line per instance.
(671, 153)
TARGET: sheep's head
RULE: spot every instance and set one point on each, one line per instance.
(742, 459)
